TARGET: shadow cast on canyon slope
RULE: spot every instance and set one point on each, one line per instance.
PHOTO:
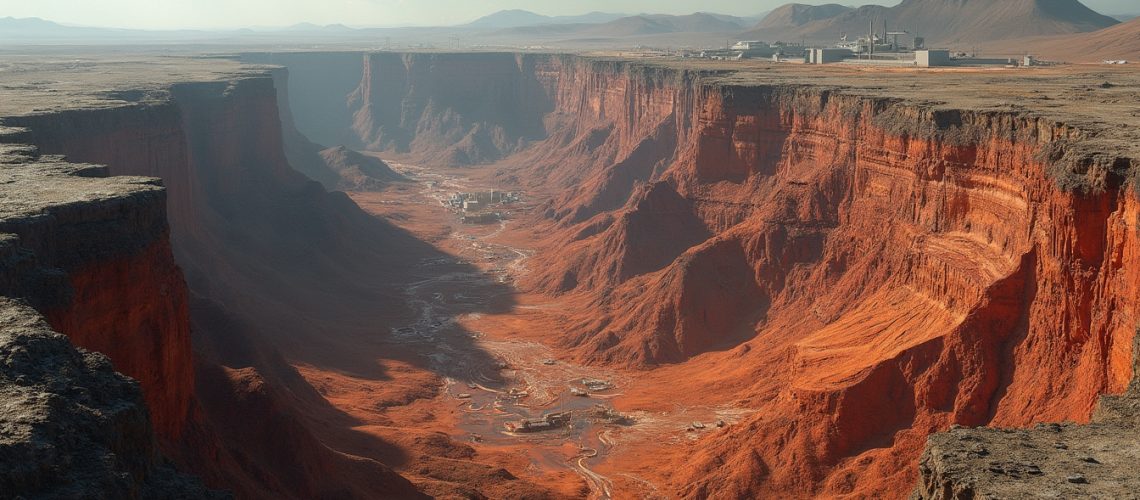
(311, 286)
(281, 273)
(337, 311)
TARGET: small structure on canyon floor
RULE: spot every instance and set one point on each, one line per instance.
(481, 199)
(611, 416)
(481, 218)
(548, 422)
(595, 385)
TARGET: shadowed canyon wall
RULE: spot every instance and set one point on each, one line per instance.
(414, 105)
(318, 84)
(257, 242)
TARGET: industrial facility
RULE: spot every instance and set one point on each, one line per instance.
(879, 46)
(900, 48)
(477, 207)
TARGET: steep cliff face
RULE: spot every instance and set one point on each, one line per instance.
(115, 311)
(907, 280)
(954, 277)
(120, 292)
(1065, 460)
(261, 246)
(450, 109)
(910, 269)
(317, 93)
(72, 427)
(303, 154)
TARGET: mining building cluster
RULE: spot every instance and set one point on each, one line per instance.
(880, 48)
(478, 207)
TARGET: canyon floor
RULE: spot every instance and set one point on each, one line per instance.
(492, 368)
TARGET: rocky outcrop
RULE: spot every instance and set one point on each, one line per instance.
(1096, 460)
(107, 277)
(71, 426)
(359, 172)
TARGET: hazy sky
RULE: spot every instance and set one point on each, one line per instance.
(168, 14)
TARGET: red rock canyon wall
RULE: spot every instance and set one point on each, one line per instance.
(883, 269)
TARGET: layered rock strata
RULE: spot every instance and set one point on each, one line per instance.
(881, 266)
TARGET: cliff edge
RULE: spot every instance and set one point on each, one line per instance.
(1067, 460)
(70, 426)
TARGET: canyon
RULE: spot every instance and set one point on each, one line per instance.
(823, 267)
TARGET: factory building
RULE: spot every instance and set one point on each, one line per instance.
(827, 56)
(748, 49)
(931, 58)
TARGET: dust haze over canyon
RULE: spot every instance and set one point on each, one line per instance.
(252, 271)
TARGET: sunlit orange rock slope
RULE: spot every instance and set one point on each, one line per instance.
(880, 269)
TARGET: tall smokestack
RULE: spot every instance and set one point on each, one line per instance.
(870, 39)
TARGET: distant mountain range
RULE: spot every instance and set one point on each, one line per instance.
(612, 24)
(34, 27)
(798, 14)
(644, 24)
(316, 27)
(518, 18)
(504, 23)
(1119, 42)
(947, 23)
(939, 21)
(36, 30)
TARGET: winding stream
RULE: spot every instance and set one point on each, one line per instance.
(523, 381)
